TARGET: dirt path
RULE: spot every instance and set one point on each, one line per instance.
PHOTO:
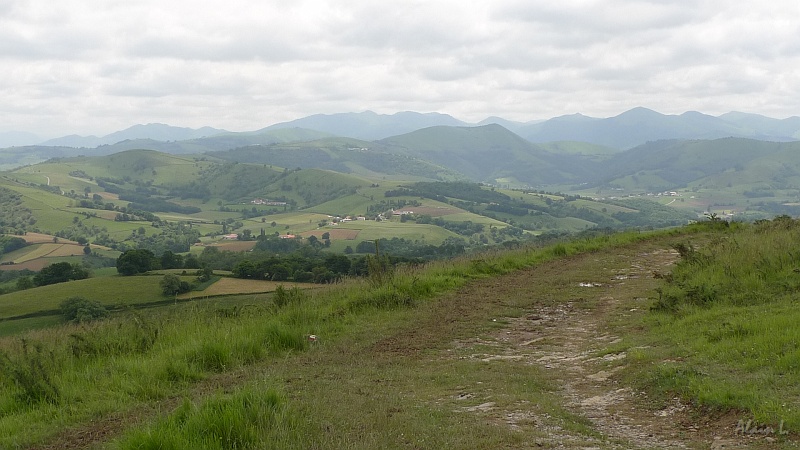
(570, 340)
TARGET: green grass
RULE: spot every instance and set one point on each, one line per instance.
(247, 419)
(723, 331)
(18, 326)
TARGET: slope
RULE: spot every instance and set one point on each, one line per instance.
(488, 153)
(345, 155)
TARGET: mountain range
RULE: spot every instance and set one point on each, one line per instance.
(572, 152)
(624, 131)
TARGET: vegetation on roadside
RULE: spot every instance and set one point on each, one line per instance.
(723, 330)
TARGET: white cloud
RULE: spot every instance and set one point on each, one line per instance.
(94, 66)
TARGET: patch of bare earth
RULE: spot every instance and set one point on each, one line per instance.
(569, 339)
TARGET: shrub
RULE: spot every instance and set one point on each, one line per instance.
(283, 296)
(172, 285)
(79, 309)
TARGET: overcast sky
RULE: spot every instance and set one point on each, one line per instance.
(97, 66)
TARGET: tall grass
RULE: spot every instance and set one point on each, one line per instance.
(723, 333)
(249, 419)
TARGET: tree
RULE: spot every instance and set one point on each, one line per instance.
(191, 262)
(60, 273)
(170, 260)
(204, 274)
(24, 283)
(172, 285)
(245, 269)
(9, 244)
(135, 261)
(79, 309)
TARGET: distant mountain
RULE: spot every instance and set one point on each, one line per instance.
(507, 124)
(32, 154)
(489, 153)
(154, 131)
(368, 125)
(641, 125)
(765, 126)
(17, 138)
(217, 142)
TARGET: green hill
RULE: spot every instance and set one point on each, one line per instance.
(343, 155)
(488, 153)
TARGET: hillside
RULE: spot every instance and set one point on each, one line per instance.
(489, 153)
(351, 156)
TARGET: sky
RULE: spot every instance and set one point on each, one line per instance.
(97, 66)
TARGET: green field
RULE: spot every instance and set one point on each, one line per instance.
(113, 291)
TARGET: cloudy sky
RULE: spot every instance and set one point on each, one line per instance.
(97, 66)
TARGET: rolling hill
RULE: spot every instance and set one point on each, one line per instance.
(489, 153)
(345, 155)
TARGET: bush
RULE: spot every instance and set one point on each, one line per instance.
(172, 285)
(60, 273)
(79, 309)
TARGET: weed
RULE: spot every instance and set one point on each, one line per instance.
(134, 336)
(379, 270)
(31, 374)
(212, 356)
(283, 296)
(281, 338)
(245, 420)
